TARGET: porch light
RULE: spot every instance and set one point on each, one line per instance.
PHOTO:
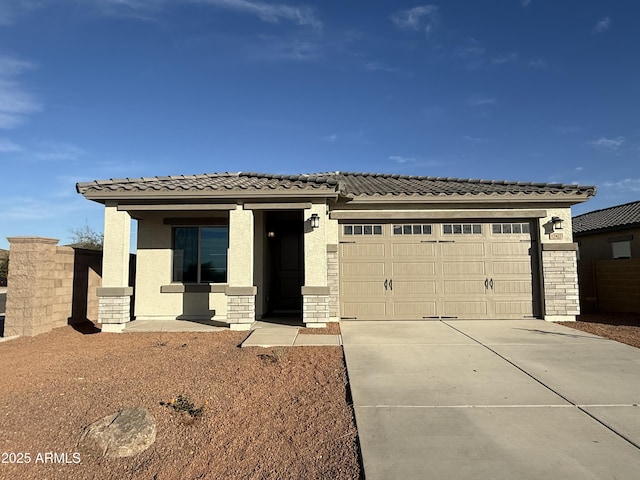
(557, 223)
(315, 220)
(271, 234)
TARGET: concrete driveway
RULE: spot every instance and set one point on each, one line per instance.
(493, 400)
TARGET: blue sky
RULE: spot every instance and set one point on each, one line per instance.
(537, 90)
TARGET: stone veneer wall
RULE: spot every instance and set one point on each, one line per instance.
(333, 281)
(315, 306)
(49, 286)
(113, 308)
(560, 276)
(241, 307)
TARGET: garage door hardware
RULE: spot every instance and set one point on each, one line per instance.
(488, 283)
(389, 284)
(443, 317)
(437, 241)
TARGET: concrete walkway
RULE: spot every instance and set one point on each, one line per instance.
(266, 334)
(493, 400)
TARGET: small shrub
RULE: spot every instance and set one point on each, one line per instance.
(182, 404)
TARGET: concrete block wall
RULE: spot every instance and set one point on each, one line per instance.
(560, 277)
(48, 286)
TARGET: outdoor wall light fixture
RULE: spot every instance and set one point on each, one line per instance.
(271, 234)
(557, 223)
(315, 220)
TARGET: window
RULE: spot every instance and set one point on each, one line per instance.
(517, 228)
(461, 228)
(200, 254)
(362, 230)
(621, 249)
(412, 229)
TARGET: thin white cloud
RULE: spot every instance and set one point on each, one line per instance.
(402, 160)
(602, 25)
(608, 143)
(272, 13)
(537, 63)
(59, 151)
(525, 3)
(7, 146)
(478, 101)
(502, 59)
(421, 18)
(16, 103)
(628, 184)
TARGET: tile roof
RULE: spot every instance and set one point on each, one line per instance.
(620, 216)
(345, 183)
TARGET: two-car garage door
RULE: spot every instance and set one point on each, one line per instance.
(423, 270)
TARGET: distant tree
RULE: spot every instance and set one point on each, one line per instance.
(4, 269)
(87, 238)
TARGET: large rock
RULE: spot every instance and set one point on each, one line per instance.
(122, 434)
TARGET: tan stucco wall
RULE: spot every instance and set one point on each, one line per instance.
(598, 246)
(154, 263)
(546, 226)
(240, 260)
(117, 235)
(315, 247)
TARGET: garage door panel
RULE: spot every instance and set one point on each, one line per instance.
(365, 309)
(355, 251)
(363, 269)
(414, 309)
(512, 268)
(459, 249)
(463, 268)
(413, 269)
(464, 287)
(413, 249)
(519, 309)
(512, 287)
(510, 249)
(460, 307)
(361, 288)
(406, 287)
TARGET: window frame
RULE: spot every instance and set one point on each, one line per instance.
(199, 254)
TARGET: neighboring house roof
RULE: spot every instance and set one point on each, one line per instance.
(612, 218)
(343, 184)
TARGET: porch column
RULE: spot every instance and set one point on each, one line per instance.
(315, 292)
(560, 277)
(241, 293)
(114, 304)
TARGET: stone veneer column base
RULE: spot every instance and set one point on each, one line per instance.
(241, 307)
(560, 277)
(315, 306)
(333, 282)
(114, 308)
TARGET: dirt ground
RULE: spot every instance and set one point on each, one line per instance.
(280, 413)
(622, 327)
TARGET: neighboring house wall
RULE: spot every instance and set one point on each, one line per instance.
(50, 286)
(608, 285)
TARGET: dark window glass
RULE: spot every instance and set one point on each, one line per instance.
(457, 228)
(426, 229)
(348, 230)
(447, 229)
(525, 228)
(397, 229)
(497, 228)
(417, 229)
(357, 230)
(517, 228)
(210, 244)
(368, 230)
(377, 229)
(466, 229)
(406, 229)
(506, 228)
(477, 228)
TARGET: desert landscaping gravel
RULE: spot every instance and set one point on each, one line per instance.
(279, 413)
(621, 327)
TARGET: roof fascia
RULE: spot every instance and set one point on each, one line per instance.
(571, 199)
(134, 197)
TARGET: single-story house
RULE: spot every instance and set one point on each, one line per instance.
(234, 247)
(609, 258)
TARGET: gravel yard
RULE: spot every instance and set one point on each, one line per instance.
(622, 327)
(280, 413)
